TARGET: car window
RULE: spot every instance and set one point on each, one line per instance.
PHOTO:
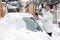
(32, 24)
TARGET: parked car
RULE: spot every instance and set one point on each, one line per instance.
(21, 26)
(13, 7)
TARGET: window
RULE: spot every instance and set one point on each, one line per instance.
(32, 24)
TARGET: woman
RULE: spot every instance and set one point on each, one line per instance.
(48, 20)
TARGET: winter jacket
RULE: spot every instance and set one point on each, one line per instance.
(47, 20)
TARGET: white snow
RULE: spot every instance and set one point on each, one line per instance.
(58, 20)
(56, 34)
(21, 34)
(12, 27)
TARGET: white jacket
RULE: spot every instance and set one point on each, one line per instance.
(47, 20)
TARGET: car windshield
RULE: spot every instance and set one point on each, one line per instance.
(32, 24)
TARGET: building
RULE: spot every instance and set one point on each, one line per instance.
(30, 7)
(23, 3)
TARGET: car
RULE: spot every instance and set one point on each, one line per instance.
(13, 7)
(21, 26)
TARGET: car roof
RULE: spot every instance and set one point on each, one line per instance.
(19, 15)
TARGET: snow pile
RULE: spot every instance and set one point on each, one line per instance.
(21, 34)
(56, 33)
(13, 27)
(58, 20)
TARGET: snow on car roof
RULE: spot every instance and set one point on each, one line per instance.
(19, 15)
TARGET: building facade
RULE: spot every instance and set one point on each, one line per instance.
(23, 3)
(30, 7)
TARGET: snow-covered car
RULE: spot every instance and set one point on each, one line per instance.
(13, 7)
(21, 26)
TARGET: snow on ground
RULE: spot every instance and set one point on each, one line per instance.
(58, 20)
(56, 33)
